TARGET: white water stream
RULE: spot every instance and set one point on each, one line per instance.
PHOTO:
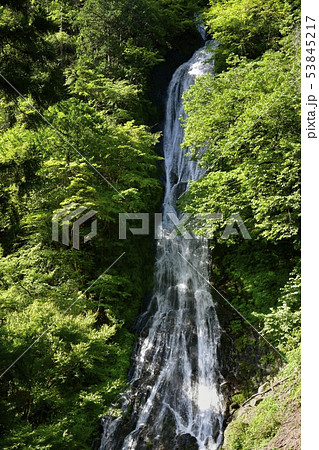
(176, 381)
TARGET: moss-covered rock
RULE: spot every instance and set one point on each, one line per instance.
(270, 418)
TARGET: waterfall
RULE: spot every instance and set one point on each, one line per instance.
(174, 400)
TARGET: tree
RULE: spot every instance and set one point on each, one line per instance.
(247, 27)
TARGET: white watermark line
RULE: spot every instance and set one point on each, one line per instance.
(61, 135)
(246, 131)
(62, 314)
(244, 318)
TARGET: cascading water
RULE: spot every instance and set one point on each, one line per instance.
(175, 401)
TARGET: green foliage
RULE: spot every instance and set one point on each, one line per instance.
(243, 126)
(114, 97)
(282, 324)
(19, 161)
(68, 365)
(111, 40)
(247, 27)
(255, 434)
(28, 54)
(247, 119)
(77, 338)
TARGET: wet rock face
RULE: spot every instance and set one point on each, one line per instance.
(186, 441)
(243, 368)
(167, 440)
(163, 72)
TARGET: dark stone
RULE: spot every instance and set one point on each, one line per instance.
(243, 369)
(186, 442)
(185, 46)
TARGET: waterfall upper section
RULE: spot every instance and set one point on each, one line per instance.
(174, 400)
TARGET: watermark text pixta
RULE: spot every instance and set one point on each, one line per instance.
(186, 226)
(67, 214)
